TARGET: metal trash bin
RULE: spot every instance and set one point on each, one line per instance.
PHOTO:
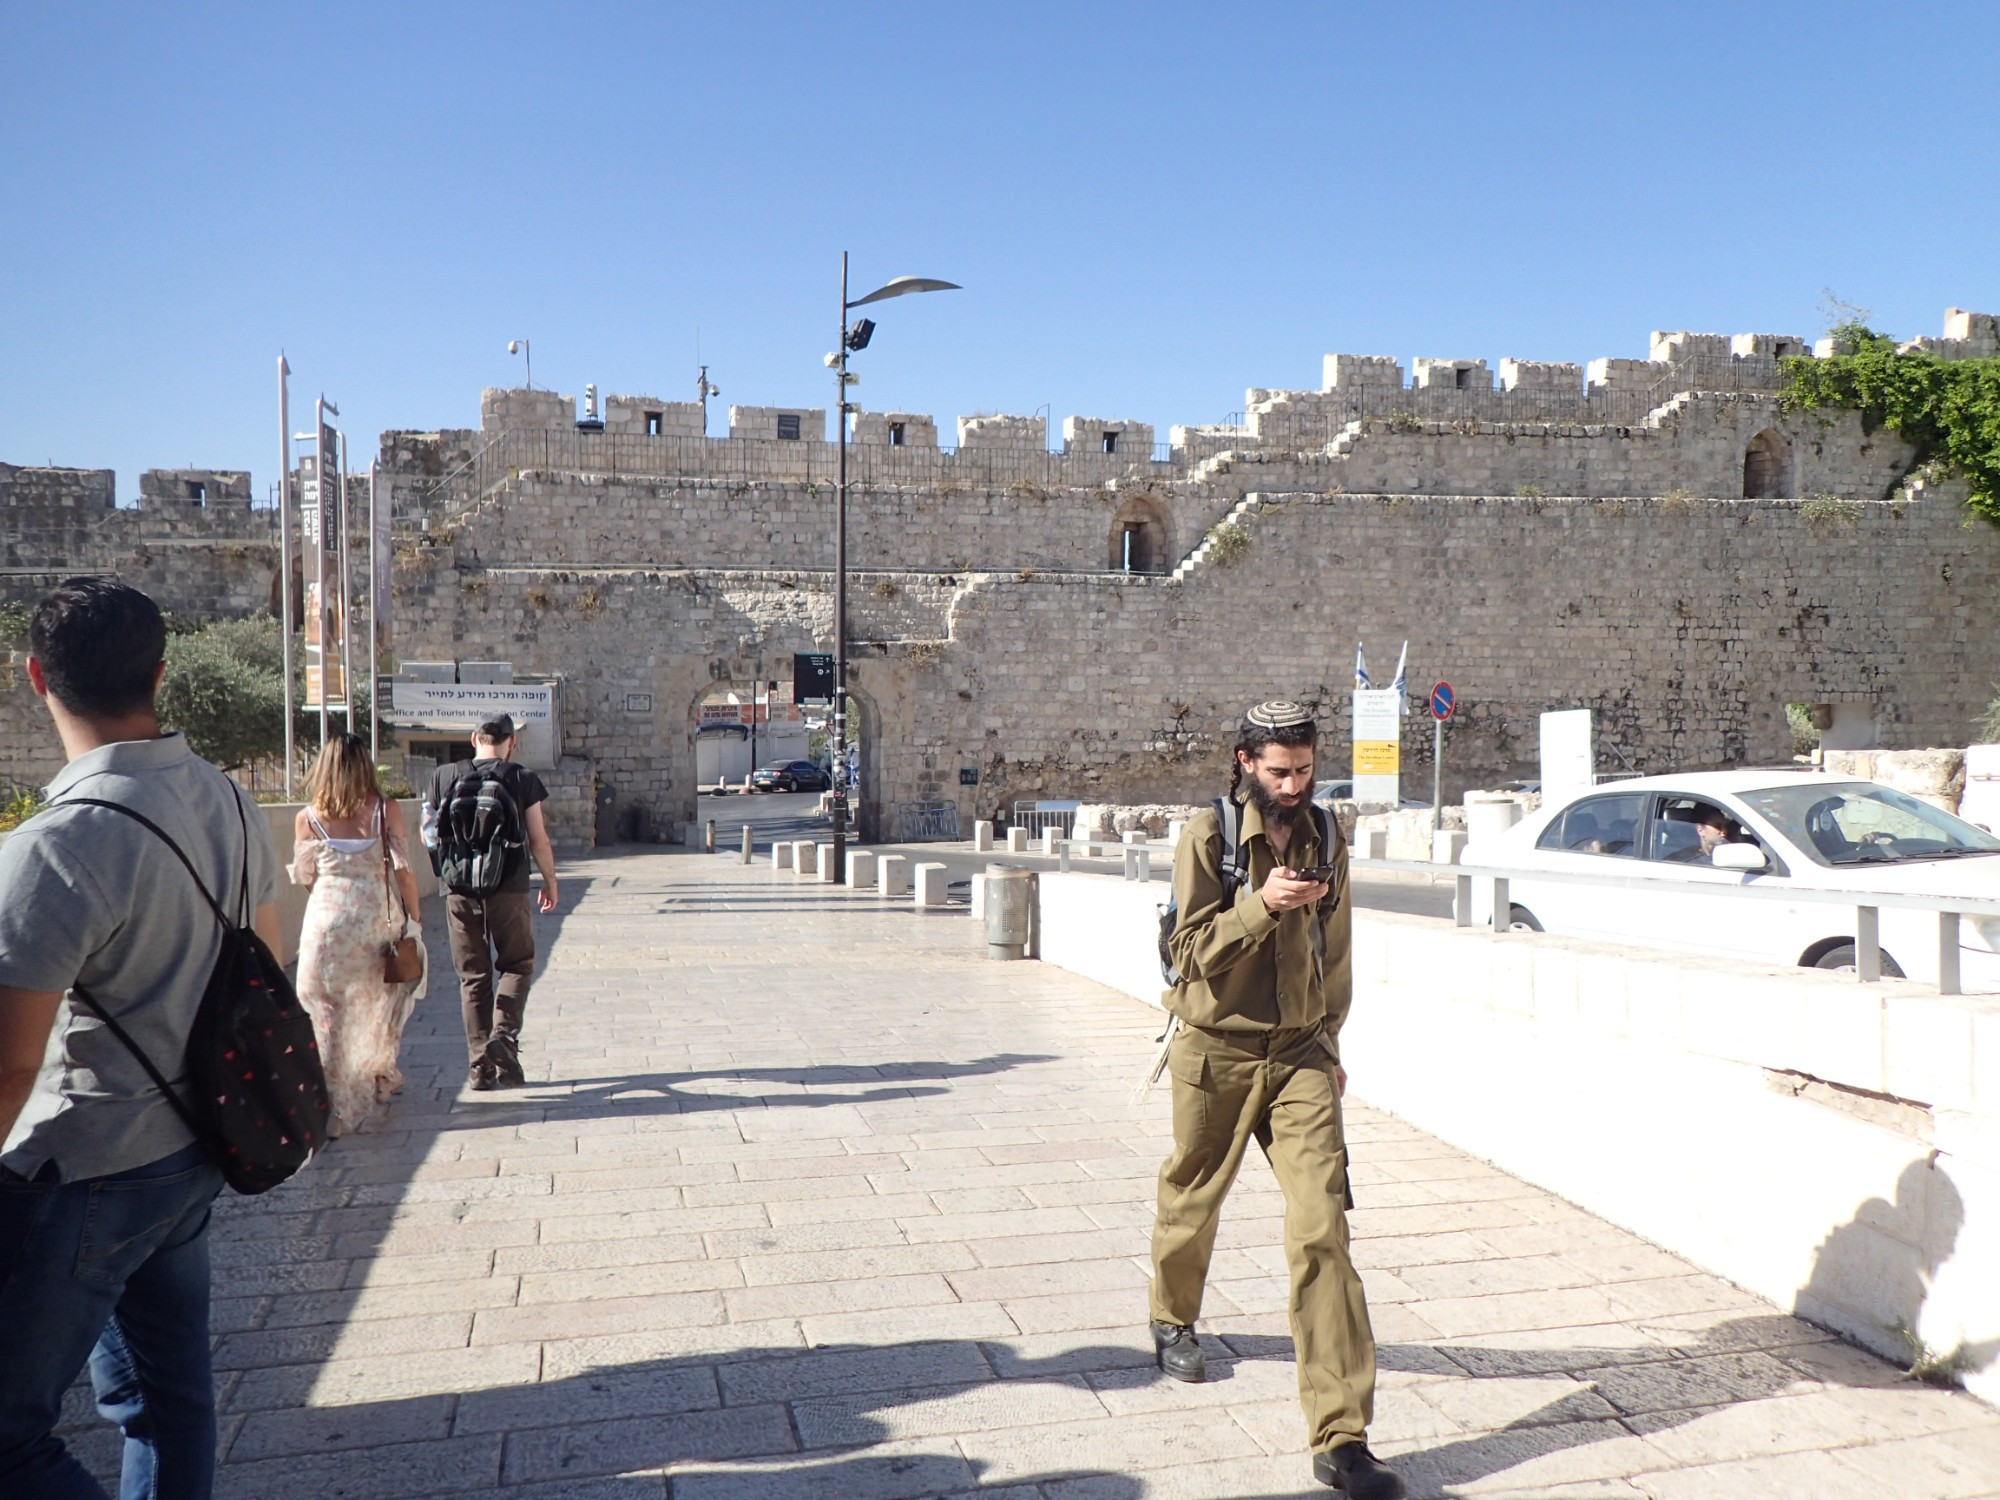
(1010, 908)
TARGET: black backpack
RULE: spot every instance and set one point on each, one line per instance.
(260, 1104)
(479, 834)
(1235, 871)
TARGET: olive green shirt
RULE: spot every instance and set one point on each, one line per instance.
(1243, 968)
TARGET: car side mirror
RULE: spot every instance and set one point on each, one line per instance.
(1746, 857)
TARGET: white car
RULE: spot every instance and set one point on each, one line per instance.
(1770, 830)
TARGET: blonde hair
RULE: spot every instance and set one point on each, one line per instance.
(342, 779)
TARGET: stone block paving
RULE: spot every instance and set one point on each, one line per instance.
(807, 1198)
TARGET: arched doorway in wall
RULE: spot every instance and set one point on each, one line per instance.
(1139, 541)
(1767, 467)
(737, 725)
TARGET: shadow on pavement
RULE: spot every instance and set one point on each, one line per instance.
(750, 1424)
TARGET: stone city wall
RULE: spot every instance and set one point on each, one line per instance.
(1687, 625)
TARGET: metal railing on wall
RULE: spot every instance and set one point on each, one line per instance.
(1867, 905)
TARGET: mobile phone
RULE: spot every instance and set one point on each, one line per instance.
(1317, 874)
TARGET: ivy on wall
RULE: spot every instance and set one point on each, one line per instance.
(1947, 409)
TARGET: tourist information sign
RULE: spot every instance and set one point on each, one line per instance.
(1378, 749)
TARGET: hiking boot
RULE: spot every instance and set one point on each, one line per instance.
(503, 1056)
(1179, 1352)
(479, 1078)
(1357, 1473)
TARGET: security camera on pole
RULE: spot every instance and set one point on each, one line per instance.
(851, 339)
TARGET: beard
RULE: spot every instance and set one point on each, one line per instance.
(1296, 819)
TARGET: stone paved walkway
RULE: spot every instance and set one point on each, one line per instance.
(809, 1199)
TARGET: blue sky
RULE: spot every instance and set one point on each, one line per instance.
(1151, 207)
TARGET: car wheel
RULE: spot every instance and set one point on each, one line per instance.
(1520, 919)
(1841, 960)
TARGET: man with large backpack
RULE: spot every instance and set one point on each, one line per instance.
(482, 818)
(110, 951)
(1257, 956)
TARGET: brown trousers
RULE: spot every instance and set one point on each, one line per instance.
(494, 933)
(1279, 1087)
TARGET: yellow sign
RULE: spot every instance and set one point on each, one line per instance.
(335, 678)
(1376, 757)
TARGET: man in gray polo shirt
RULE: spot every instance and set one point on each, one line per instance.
(104, 1197)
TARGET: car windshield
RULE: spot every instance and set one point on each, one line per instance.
(1863, 823)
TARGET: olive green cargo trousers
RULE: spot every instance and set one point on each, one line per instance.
(1278, 1086)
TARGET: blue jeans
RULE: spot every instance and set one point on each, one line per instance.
(113, 1270)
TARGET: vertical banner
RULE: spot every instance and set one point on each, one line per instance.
(382, 506)
(1568, 761)
(1378, 746)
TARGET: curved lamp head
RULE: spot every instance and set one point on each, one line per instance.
(902, 286)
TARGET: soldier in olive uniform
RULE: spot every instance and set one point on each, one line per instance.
(1265, 984)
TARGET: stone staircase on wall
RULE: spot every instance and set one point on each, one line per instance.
(1245, 508)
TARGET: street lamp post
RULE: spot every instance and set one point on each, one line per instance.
(851, 339)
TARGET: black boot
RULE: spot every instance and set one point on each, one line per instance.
(503, 1056)
(1179, 1352)
(1357, 1473)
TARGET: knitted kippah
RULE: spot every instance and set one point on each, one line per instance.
(1279, 713)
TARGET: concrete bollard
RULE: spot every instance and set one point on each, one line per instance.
(860, 869)
(805, 857)
(823, 865)
(781, 855)
(1017, 841)
(1447, 846)
(1371, 843)
(1050, 838)
(982, 837)
(749, 844)
(931, 884)
(708, 837)
(1175, 829)
(892, 874)
(978, 897)
(1136, 836)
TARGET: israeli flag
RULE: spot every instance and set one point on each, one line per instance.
(1401, 685)
(1360, 670)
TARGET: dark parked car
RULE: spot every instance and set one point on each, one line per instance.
(792, 776)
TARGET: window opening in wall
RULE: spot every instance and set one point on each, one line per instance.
(788, 426)
(1461, 377)
(1110, 442)
(895, 434)
(197, 491)
(654, 423)
(1766, 468)
(1134, 546)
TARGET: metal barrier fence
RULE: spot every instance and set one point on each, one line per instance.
(1037, 815)
(927, 823)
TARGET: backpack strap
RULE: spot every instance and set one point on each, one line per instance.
(1235, 864)
(160, 833)
(139, 1056)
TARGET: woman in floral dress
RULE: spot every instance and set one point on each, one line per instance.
(351, 917)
